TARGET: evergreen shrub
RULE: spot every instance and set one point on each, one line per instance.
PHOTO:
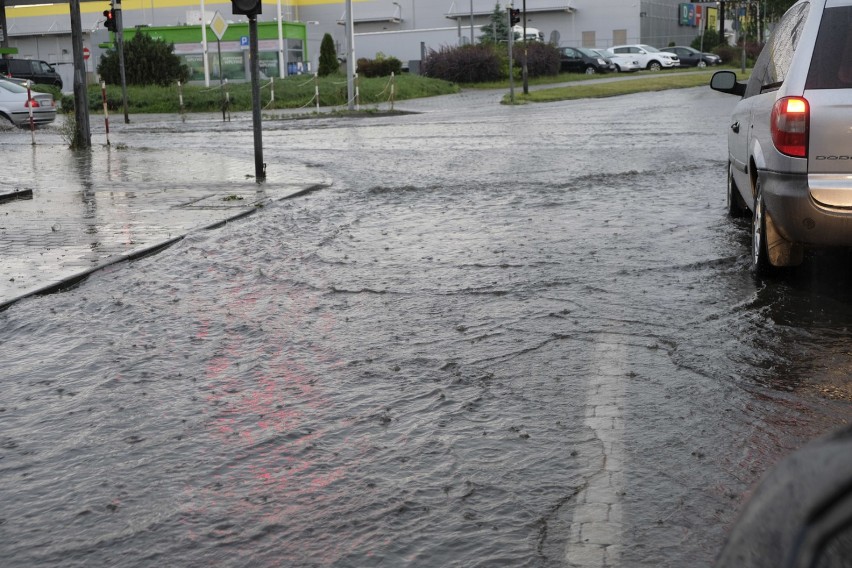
(466, 64)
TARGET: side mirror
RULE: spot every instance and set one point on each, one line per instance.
(726, 82)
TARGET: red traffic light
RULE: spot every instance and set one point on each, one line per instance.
(514, 16)
(109, 20)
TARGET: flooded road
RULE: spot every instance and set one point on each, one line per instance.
(504, 337)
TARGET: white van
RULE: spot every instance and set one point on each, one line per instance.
(533, 34)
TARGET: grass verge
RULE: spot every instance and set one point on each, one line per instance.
(640, 84)
(291, 92)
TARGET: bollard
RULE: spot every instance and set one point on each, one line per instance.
(393, 85)
(316, 89)
(30, 103)
(227, 102)
(180, 96)
(357, 93)
(106, 110)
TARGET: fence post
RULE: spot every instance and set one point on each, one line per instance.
(106, 110)
(30, 103)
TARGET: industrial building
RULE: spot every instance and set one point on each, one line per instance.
(33, 29)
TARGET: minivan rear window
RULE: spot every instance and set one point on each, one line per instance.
(831, 64)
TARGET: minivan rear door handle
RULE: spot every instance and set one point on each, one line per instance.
(735, 127)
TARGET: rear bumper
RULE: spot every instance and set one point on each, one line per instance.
(799, 217)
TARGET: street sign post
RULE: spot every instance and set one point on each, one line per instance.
(219, 27)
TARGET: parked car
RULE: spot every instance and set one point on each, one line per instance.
(691, 57)
(579, 60)
(789, 151)
(15, 105)
(36, 71)
(621, 63)
(648, 57)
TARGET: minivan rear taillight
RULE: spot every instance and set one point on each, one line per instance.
(789, 126)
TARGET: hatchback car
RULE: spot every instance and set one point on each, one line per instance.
(648, 57)
(579, 60)
(790, 138)
(691, 57)
(15, 105)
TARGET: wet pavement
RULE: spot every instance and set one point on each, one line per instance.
(497, 336)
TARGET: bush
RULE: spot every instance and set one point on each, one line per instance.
(147, 61)
(542, 58)
(733, 55)
(711, 40)
(328, 57)
(466, 64)
(379, 67)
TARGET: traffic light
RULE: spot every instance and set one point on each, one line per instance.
(514, 16)
(109, 20)
(247, 7)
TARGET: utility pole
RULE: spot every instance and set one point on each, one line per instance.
(82, 134)
(350, 56)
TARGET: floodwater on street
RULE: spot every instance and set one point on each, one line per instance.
(505, 336)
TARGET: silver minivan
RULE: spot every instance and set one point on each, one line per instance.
(790, 138)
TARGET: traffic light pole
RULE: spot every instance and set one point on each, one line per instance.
(259, 166)
(524, 63)
(511, 57)
(119, 40)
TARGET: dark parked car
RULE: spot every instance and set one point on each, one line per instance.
(580, 60)
(32, 69)
(789, 151)
(691, 57)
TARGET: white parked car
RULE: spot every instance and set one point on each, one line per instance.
(15, 105)
(622, 63)
(648, 57)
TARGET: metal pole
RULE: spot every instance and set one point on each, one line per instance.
(83, 134)
(281, 71)
(204, 46)
(471, 22)
(350, 56)
(511, 57)
(524, 68)
(4, 37)
(119, 39)
(259, 166)
(221, 77)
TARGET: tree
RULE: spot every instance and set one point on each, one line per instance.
(328, 63)
(147, 61)
(498, 30)
(776, 8)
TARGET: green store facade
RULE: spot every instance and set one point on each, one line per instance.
(234, 47)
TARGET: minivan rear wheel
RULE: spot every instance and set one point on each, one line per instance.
(759, 250)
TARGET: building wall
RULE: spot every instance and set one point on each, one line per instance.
(43, 32)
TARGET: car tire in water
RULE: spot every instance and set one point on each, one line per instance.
(759, 251)
(736, 206)
(654, 66)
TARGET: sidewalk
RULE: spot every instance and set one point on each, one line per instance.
(64, 215)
